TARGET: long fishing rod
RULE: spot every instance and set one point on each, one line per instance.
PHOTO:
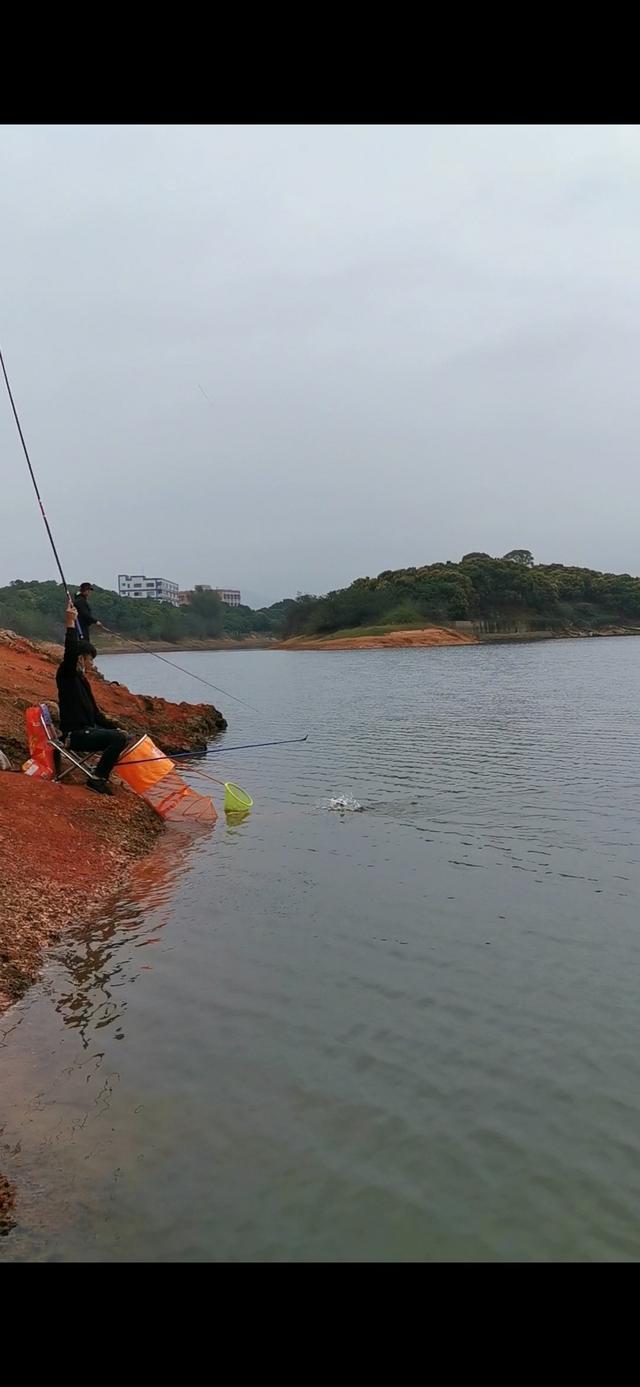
(33, 478)
(211, 751)
(65, 585)
(130, 641)
(60, 569)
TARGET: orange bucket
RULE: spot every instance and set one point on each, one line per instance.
(143, 765)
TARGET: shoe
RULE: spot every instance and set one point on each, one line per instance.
(100, 786)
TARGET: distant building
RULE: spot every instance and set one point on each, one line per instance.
(157, 589)
(232, 596)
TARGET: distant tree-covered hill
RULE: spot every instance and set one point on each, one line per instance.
(511, 593)
(494, 594)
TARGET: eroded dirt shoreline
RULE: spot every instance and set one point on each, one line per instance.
(389, 640)
(425, 636)
(62, 850)
(28, 676)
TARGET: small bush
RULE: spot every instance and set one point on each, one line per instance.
(403, 615)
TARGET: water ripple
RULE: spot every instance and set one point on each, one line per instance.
(402, 1034)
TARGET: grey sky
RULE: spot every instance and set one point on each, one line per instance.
(414, 340)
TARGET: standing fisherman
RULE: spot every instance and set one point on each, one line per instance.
(86, 619)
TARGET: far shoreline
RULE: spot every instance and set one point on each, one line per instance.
(428, 637)
(142, 647)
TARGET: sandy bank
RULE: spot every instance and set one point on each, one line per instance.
(394, 640)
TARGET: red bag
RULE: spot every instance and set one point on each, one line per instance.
(41, 763)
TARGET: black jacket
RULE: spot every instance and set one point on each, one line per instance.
(78, 707)
(85, 616)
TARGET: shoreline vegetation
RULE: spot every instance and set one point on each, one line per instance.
(479, 598)
(375, 638)
(383, 638)
(400, 638)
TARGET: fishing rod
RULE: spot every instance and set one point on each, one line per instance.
(35, 484)
(130, 641)
(244, 746)
(65, 585)
(61, 572)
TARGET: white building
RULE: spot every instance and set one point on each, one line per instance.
(157, 589)
(232, 596)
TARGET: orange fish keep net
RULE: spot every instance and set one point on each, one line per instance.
(147, 771)
(173, 799)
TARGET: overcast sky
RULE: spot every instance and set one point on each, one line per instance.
(283, 357)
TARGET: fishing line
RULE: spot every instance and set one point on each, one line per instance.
(130, 641)
(33, 478)
(215, 780)
(64, 581)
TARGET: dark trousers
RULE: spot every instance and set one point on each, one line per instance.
(105, 739)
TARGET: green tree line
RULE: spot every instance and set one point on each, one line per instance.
(492, 593)
(507, 593)
(37, 610)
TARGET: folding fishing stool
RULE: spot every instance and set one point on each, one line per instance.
(61, 753)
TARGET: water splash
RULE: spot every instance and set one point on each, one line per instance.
(345, 804)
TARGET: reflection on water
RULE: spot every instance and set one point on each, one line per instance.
(100, 961)
(404, 1033)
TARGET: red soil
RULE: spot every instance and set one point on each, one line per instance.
(395, 640)
(28, 676)
(62, 851)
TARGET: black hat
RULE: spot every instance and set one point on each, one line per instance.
(86, 585)
(86, 648)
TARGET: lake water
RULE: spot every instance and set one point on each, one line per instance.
(405, 1033)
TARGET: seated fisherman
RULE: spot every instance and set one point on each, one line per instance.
(83, 726)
